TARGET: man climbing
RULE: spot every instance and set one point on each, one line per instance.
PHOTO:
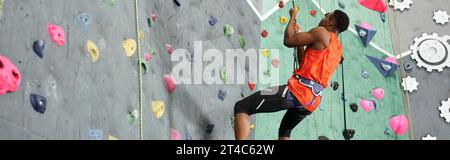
(302, 94)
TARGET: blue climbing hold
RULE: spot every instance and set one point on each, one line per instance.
(222, 94)
(209, 128)
(365, 34)
(188, 136)
(385, 68)
(39, 47)
(84, 20)
(213, 21)
(95, 134)
(177, 2)
(408, 66)
(39, 103)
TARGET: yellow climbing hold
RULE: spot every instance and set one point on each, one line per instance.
(141, 35)
(112, 138)
(158, 108)
(252, 126)
(129, 46)
(93, 51)
(283, 19)
(265, 52)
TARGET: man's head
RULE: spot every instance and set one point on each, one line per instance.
(336, 20)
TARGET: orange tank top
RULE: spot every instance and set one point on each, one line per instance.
(319, 66)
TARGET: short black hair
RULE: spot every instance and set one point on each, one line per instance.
(341, 20)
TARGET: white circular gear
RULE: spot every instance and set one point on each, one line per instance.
(445, 110)
(409, 84)
(441, 17)
(400, 5)
(429, 137)
(431, 52)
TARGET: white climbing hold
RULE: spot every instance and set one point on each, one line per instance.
(410, 84)
(441, 17)
(445, 110)
(429, 137)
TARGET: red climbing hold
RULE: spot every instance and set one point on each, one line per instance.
(56, 34)
(281, 4)
(9, 76)
(170, 83)
(174, 134)
(251, 85)
(154, 16)
(169, 48)
(275, 63)
(312, 12)
(147, 57)
(264, 33)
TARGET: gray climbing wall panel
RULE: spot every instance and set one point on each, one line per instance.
(83, 95)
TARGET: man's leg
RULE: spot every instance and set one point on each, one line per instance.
(264, 101)
(290, 120)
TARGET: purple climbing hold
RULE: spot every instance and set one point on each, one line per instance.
(177, 2)
(209, 128)
(95, 134)
(222, 94)
(38, 48)
(39, 103)
(213, 21)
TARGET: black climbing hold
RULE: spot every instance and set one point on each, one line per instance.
(407, 66)
(177, 2)
(38, 48)
(348, 134)
(209, 128)
(342, 60)
(149, 22)
(38, 103)
(213, 21)
(335, 85)
(354, 107)
(383, 17)
(323, 138)
(188, 136)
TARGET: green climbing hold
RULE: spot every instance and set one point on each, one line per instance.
(232, 121)
(223, 74)
(228, 30)
(152, 51)
(243, 94)
(267, 72)
(242, 42)
(341, 4)
(132, 117)
(1, 8)
(111, 2)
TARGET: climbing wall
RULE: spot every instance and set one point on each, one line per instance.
(328, 119)
(89, 98)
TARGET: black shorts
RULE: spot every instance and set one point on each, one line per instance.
(275, 99)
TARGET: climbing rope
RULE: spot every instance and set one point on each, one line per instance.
(141, 94)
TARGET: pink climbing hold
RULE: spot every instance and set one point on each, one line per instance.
(56, 34)
(391, 60)
(169, 48)
(174, 134)
(9, 76)
(376, 5)
(366, 105)
(154, 16)
(378, 93)
(366, 26)
(170, 82)
(275, 63)
(399, 124)
(147, 57)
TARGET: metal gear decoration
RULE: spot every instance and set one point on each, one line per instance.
(400, 4)
(429, 137)
(445, 110)
(410, 84)
(441, 17)
(431, 52)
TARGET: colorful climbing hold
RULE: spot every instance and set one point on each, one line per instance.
(147, 57)
(95, 134)
(132, 117)
(275, 63)
(39, 47)
(223, 74)
(376, 5)
(112, 138)
(378, 93)
(174, 134)
(169, 48)
(222, 94)
(149, 22)
(323, 138)
(266, 72)
(93, 51)
(281, 4)
(335, 85)
(210, 128)
(169, 80)
(399, 124)
(366, 105)
(39, 103)
(141, 35)
(154, 16)
(188, 136)
(313, 12)
(10, 76)
(354, 107)
(152, 51)
(264, 33)
(408, 66)
(212, 21)
(341, 4)
(144, 67)
(265, 52)
(228, 30)
(366, 35)
(243, 93)
(158, 108)
(366, 25)
(383, 17)
(391, 59)
(252, 126)
(364, 74)
(129, 46)
(283, 19)
(385, 68)
(251, 85)
(57, 34)
(84, 20)
(111, 2)
(177, 2)
(242, 42)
